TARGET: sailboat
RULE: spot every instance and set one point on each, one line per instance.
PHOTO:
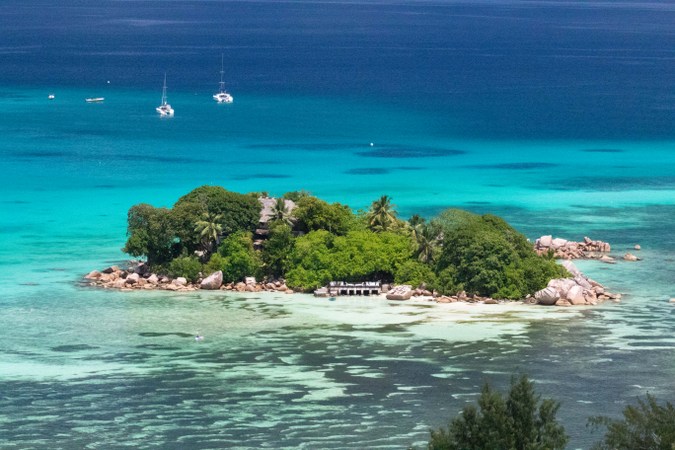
(222, 96)
(164, 110)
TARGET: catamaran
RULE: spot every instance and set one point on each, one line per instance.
(222, 96)
(164, 110)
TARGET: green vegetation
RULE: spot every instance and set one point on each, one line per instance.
(188, 267)
(522, 421)
(209, 230)
(277, 249)
(195, 223)
(212, 229)
(235, 211)
(151, 234)
(319, 257)
(382, 215)
(236, 258)
(314, 214)
(486, 256)
(519, 421)
(648, 425)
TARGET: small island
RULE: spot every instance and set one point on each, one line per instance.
(213, 238)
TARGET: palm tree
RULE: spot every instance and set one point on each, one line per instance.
(281, 213)
(415, 220)
(427, 239)
(382, 215)
(209, 230)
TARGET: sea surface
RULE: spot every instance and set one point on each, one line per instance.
(558, 116)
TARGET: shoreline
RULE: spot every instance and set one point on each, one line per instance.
(562, 292)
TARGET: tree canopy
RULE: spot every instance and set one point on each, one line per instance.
(486, 256)
(237, 211)
(319, 257)
(382, 215)
(648, 425)
(521, 420)
(150, 233)
(236, 258)
(314, 214)
(319, 242)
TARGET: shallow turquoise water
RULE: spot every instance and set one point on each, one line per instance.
(97, 369)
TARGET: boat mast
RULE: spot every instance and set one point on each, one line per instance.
(222, 72)
(164, 91)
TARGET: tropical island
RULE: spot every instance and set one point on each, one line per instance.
(213, 238)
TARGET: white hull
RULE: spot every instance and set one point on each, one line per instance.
(223, 97)
(94, 100)
(165, 110)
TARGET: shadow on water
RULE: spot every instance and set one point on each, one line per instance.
(159, 334)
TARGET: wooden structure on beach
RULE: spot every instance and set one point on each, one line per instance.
(336, 288)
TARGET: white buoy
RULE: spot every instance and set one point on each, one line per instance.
(371, 144)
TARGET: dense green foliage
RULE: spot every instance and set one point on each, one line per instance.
(236, 258)
(314, 214)
(319, 257)
(648, 425)
(185, 266)
(151, 233)
(415, 273)
(277, 249)
(318, 242)
(197, 221)
(486, 256)
(519, 421)
(184, 218)
(237, 211)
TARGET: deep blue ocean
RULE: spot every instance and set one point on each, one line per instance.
(558, 116)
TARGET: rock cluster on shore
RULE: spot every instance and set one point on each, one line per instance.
(406, 292)
(564, 249)
(138, 277)
(579, 290)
